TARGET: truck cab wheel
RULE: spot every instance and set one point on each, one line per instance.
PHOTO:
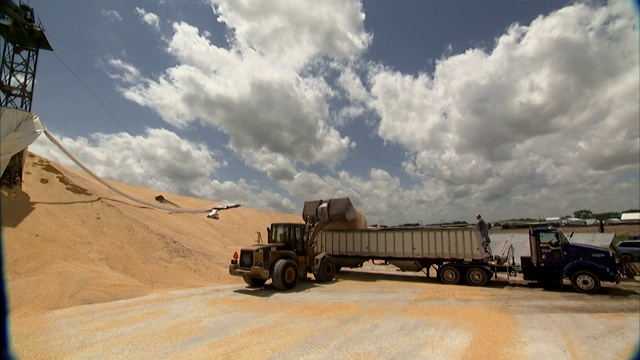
(585, 282)
(285, 274)
(449, 274)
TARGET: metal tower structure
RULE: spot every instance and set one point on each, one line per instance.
(22, 38)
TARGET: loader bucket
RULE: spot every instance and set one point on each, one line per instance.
(332, 209)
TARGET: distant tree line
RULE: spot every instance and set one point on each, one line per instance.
(584, 214)
(588, 214)
(580, 214)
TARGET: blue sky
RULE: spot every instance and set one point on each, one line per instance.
(419, 111)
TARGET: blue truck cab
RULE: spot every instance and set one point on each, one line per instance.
(554, 258)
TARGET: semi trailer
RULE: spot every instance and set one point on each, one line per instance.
(335, 235)
(455, 253)
(460, 254)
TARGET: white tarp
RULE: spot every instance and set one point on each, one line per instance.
(597, 239)
(500, 244)
(520, 241)
(630, 216)
(19, 129)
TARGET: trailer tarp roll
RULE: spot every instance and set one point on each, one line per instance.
(18, 129)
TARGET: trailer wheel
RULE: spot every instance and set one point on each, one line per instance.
(585, 282)
(477, 276)
(327, 269)
(449, 274)
(285, 274)
(254, 282)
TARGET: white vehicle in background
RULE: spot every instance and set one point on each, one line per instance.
(627, 250)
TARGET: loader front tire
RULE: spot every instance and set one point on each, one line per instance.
(285, 274)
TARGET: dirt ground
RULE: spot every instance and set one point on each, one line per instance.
(369, 313)
(92, 275)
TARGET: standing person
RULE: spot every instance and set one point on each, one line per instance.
(483, 228)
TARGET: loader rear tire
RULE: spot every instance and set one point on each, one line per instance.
(327, 270)
(449, 274)
(285, 274)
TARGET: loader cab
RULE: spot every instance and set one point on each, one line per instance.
(290, 234)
